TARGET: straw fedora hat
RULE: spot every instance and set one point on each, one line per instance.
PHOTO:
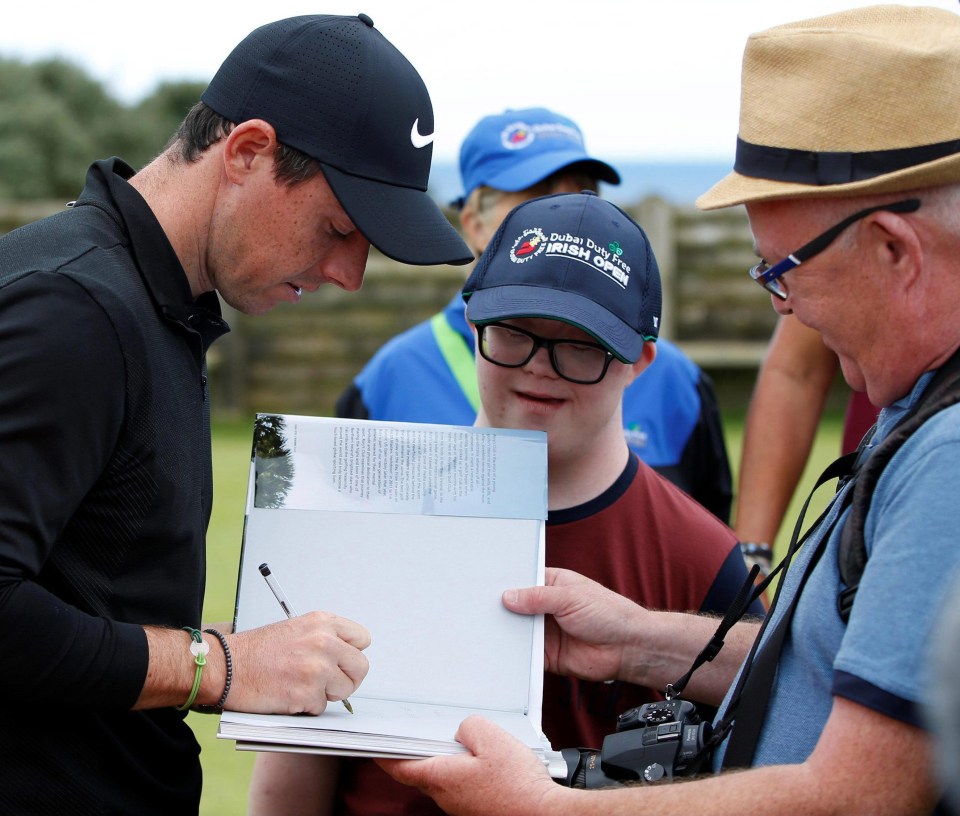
(860, 102)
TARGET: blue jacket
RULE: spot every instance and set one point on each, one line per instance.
(670, 414)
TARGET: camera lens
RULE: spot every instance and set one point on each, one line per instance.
(579, 762)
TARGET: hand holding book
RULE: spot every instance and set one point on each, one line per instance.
(415, 530)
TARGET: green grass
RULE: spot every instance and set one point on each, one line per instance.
(226, 770)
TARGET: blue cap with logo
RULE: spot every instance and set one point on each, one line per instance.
(516, 149)
(572, 257)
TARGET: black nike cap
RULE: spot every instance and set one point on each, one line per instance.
(336, 89)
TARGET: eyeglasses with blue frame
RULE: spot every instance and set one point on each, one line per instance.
(769, 276)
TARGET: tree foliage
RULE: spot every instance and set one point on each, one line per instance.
(55, 120)
(272, 460)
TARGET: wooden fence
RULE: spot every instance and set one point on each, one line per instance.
(298, 358)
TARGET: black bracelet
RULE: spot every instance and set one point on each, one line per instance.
(759, 554)
(757, 549)
(218, 708)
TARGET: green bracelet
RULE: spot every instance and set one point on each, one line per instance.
(199, 649)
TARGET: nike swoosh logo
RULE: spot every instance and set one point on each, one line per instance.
(416, 139)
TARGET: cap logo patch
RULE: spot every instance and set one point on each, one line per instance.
(605, 259)
(519, 135)
(417, 139)
(516, 136)
(530, 244)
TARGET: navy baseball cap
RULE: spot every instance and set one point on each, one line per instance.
(516, 149)
(572, 257)
(336, 89)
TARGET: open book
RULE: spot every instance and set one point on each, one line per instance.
(414, 531)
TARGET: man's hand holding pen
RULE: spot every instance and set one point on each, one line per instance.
(287, 606)
(297, 665)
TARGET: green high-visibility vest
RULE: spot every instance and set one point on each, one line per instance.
(458, 358)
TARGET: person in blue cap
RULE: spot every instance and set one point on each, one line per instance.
(564, 306)
(427, 373)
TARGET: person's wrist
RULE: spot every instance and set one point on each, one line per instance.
(198, 649)
(217, 708)
(758, 553)
(559, 799)
(214, 676)
(645, 629)
(761, 548)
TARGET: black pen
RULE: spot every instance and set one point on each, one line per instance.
(281, 597)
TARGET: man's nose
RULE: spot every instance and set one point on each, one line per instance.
(345, 267)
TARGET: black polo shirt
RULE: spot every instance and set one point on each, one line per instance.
(105, 495)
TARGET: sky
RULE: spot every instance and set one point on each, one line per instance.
(647, 80)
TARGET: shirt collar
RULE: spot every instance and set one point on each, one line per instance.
(162, 273)
(891, 414)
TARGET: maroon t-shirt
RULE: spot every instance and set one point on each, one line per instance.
(647, 540)
(859, 418)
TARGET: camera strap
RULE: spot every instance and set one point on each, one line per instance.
(756, 677)
(748, 703)
(737, 610)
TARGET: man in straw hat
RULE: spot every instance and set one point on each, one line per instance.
(849, 148)
(311, 142)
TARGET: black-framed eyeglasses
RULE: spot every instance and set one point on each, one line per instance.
(512, 347)
(769, 276)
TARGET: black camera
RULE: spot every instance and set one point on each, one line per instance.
(653, 742)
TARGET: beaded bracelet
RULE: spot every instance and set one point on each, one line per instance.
(199, 649)
(218, 708)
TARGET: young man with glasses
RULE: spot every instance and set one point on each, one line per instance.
(671, 418)
(847, 122)
(565, 303)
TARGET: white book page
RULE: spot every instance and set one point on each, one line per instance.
(427, 587)
(417, 544)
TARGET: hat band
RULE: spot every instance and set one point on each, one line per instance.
(826, 168)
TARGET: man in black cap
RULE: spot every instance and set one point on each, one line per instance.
(311, 142)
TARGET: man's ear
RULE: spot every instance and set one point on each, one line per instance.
(647, 356)
(898, 246)
(250, 146)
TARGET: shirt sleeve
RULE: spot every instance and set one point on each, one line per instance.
(61, 408)
(730, 579)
